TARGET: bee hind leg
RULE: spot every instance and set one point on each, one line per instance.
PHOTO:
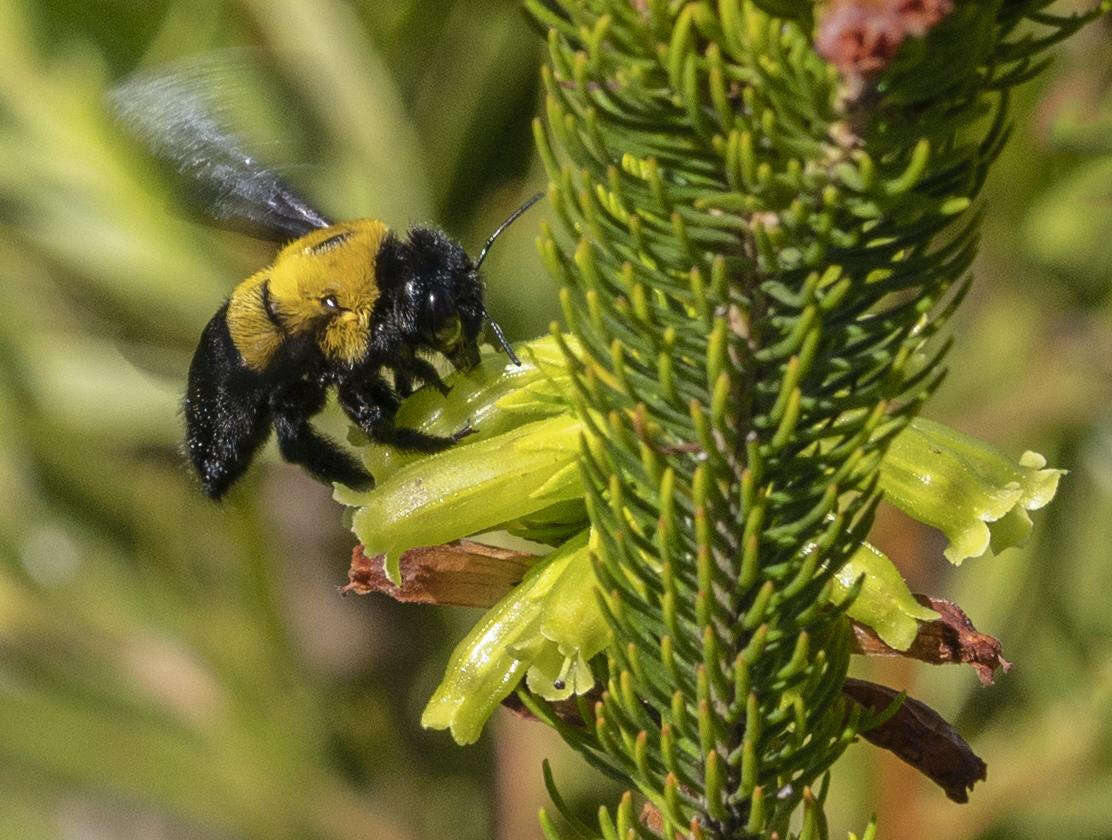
(372, 404)
(301, 444)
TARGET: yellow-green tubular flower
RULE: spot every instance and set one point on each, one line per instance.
(470, 488)
(552, 525)
(883, 602)
(973, 493)
(520, 462)
(548, 628)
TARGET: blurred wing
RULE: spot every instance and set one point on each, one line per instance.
(175, 118)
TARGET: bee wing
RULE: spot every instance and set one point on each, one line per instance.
(177, 119)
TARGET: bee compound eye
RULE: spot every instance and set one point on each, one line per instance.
(440, 309)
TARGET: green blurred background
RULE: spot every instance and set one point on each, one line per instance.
(173, 669)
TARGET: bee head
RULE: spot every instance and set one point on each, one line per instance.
(444, 297)
(441, 299)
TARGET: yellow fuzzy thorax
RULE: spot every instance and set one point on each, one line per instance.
(337, 262)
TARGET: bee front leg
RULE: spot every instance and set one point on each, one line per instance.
(403, 383)
(292, 406)
(372, 404)
(417, 369)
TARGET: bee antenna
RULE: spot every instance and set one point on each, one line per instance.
(504, 225)
(497, 330)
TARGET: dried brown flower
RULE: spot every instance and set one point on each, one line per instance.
(464, 573)
(921, 737)
(949, 638)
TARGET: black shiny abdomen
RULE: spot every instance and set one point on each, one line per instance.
(226, 417)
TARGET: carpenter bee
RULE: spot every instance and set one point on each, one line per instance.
(342, 305)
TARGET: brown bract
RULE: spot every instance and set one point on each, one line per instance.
(861, 37)
(464, 573)
(949, 638)
(921, 737)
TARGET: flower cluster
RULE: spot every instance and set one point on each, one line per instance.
(518, 473)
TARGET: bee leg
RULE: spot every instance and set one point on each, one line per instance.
(403, 383)
(292, 406)
(372, 405)
(423, 371)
